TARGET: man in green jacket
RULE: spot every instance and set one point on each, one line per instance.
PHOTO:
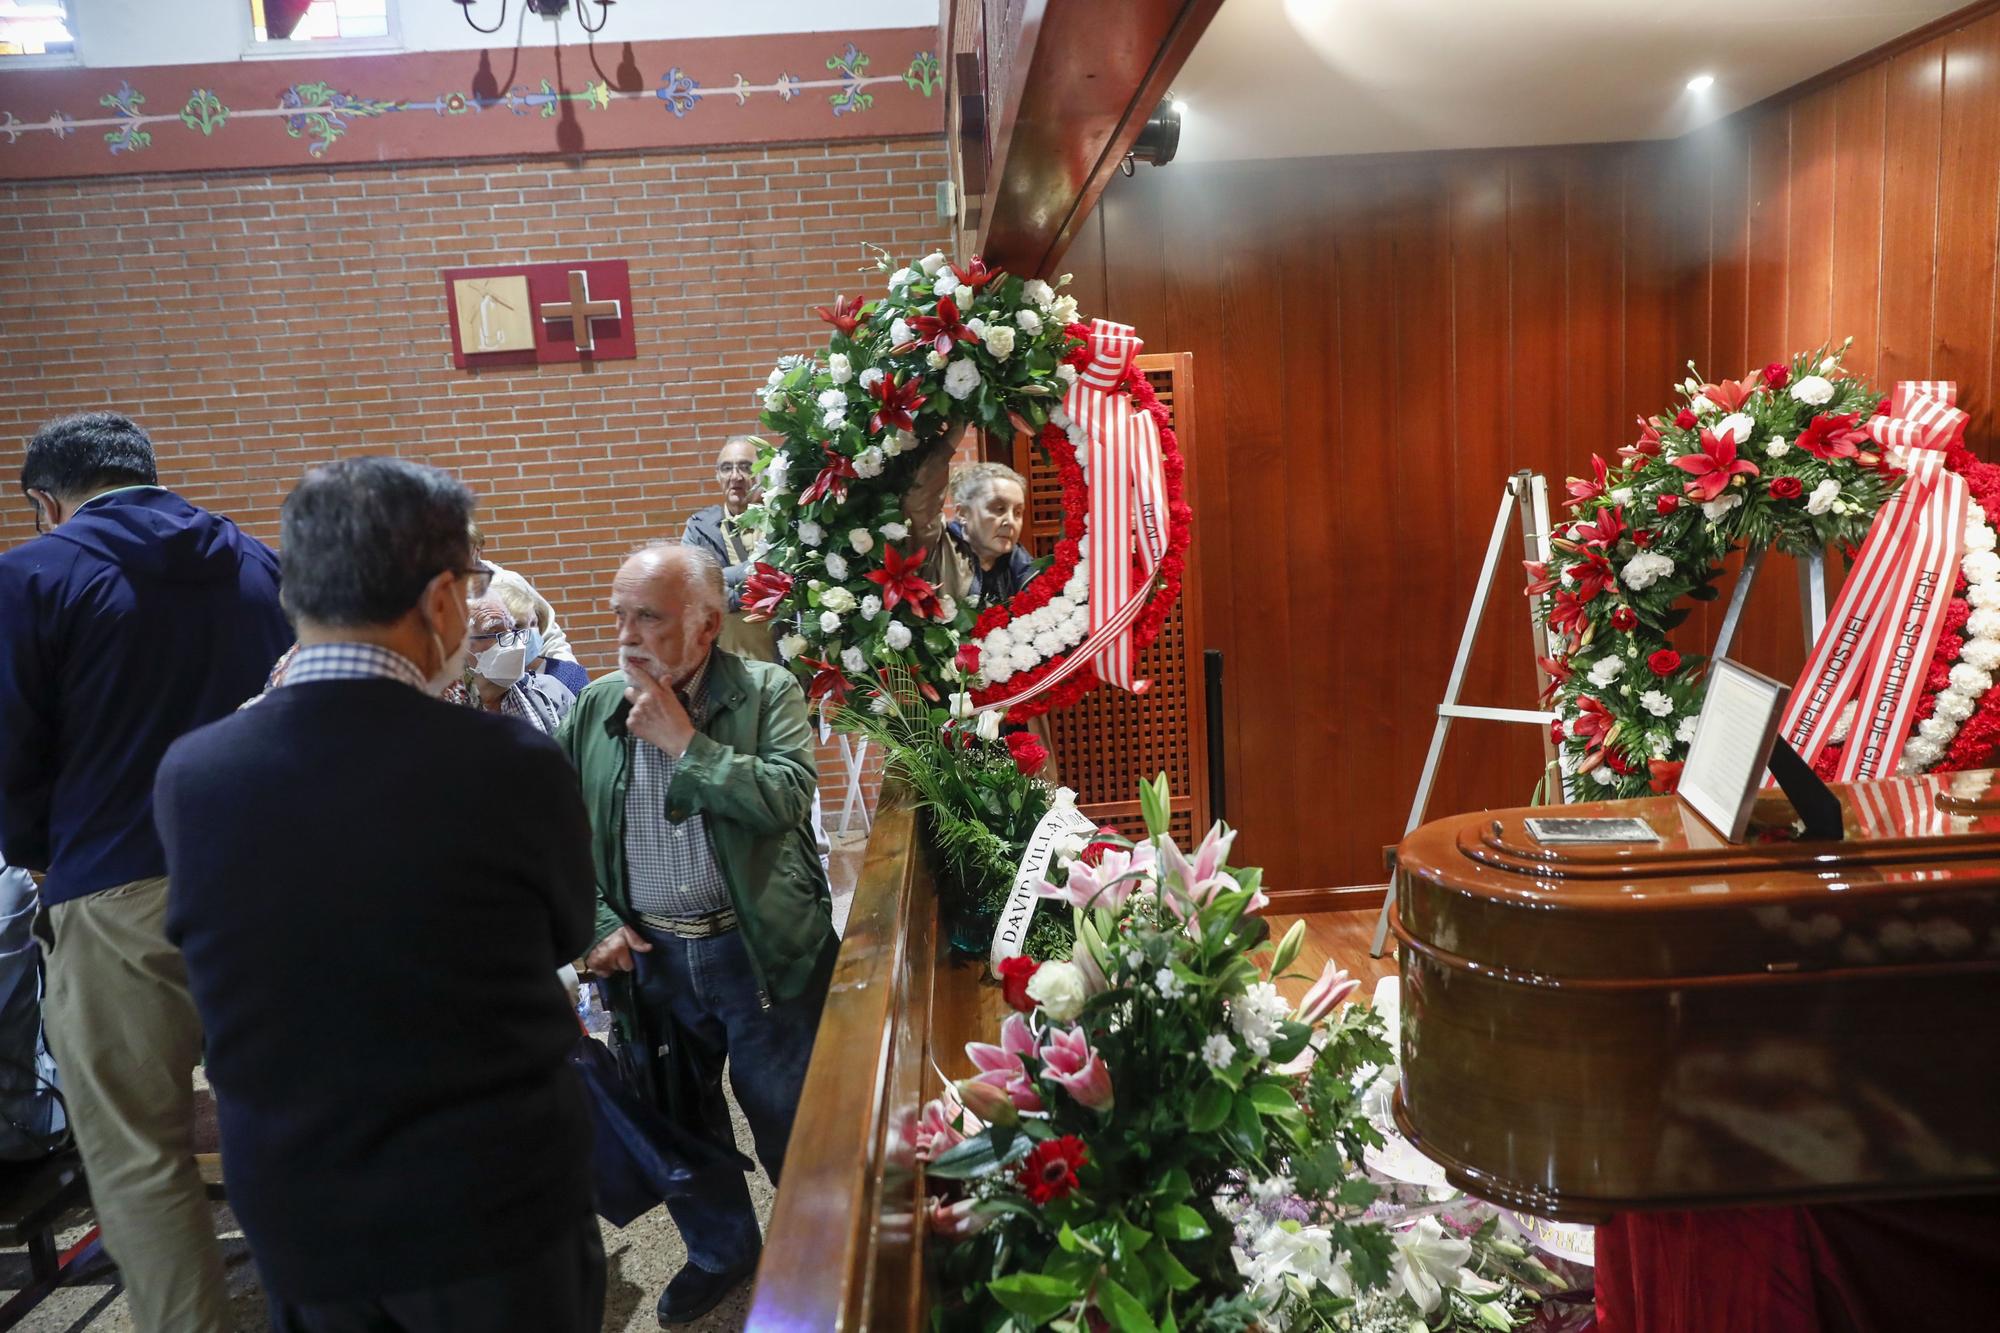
(698, 772)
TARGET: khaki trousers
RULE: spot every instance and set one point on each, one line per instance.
(125, 1036)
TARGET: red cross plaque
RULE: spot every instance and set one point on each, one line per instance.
(580, 311)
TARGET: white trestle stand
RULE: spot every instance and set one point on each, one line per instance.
(854, 761)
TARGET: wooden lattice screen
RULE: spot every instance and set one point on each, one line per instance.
(1112, 740)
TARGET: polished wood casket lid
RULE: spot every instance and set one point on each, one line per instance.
(1589, 1029)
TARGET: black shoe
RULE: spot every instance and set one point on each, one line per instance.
(695, 1291)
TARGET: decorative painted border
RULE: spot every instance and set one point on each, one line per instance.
(320, 103)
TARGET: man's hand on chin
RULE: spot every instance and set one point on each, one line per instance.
(657, 716)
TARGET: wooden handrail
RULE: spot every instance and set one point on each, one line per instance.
(843, 1248)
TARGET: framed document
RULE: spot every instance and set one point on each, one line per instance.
(1570, 829)
(1732, 746)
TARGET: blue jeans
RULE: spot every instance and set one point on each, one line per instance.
(710, 990)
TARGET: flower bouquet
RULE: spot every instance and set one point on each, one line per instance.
(1160, 1141)
(1779, 459)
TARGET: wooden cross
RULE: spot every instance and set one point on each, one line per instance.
(579, 310)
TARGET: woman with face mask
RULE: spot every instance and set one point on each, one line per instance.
(532, 616)
(498, 679)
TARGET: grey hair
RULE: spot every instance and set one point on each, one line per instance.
(490, 602)
(700, 571)
(970, 482)
(363, 537)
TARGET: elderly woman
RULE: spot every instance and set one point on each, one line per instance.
(985, 563)
(498, 679)
(532, 616)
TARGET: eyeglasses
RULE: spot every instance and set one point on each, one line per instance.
(732, 469)
(502, 639)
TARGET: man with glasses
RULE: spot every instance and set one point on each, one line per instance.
(136, 618)
(407, 1145)
(715, 530)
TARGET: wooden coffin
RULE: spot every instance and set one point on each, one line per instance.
(1594, 1029)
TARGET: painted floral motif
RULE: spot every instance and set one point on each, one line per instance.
(61, 124)
(126, 103)
(322, 112)
(679, 92)
(787, 86)
(923, 75)
(8, 122)
(205, 112)
(743, 89)
(852, 66)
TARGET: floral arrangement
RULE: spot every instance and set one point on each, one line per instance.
(947, 348)
(1779, 459)
(1159, 1140)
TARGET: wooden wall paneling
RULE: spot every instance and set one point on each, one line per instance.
(1860, 163)
(1594, 223)
(1909, 211)
(1809, 234)
(1653, 347)
(1962, 327)
(1728, 150)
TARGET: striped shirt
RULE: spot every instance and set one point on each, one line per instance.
(349, 661)
(670, 868)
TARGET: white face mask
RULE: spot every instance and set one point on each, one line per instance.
(451, 666)
(501, 666)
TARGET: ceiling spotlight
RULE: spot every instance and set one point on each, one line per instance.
(1180, 106)
(1701, 83)
(1160, 139)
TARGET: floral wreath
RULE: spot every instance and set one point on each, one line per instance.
(1780, 459)
(837, 564)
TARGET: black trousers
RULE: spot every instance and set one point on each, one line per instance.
(560, 1290)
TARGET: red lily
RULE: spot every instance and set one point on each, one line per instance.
(764, 590)
(1558, 672)
(1728, 395)
(832, 479)
(1648, 443)
(901, 582)
(1539, 578)
(845, 315)
(828, 682)
(1831, 437)
(1592, 576)
(976, 275)
(896, 401)
(1583, 490)
(1714, 467)
(1593, 724)
(941, 330)
(1666, 775)
(1605, 531)
(1567, 616)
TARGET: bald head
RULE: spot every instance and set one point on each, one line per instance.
(733, 464)
(668, 603)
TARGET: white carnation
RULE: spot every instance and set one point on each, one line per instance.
(934, 359)
(1023, 657)
(1815, 390)
(871, 377)
(897, 636)
(791, 646)
(1000, 341)
(1969, 679)
(1621, 495)
(774, 400)
(1000, 641)
(829, 622)
(1984, 595)
(829, 399)
(836, 566)
(1982, 567)
(895, 532)
(1645, 569)
(1030, 322)
(811, 533)
(1823, 496)
(997, 671)
(1605, 670)
(1038, 291)
(1716, 508)
(1956, 707)
(947, 608)
(1982, 653)
(870, 462)
(774, 475)
(946, 284)
(1603, 775)
(1776, 446)
(852, 659)
(1656, 703)
(775, 378)
(1684, 733)
(1983, 623)
(1702, 406)
(871, 607)
(1218, 1051)
(1738, 424)
(1066, 373)
(902, 277)
(900, 333)
(1979, 537)
(840, 368)
(1046, 645)
(931, 263)
(1920, 754)
(1937, 729)
(961, 379)
(897, 442)
(835, 419)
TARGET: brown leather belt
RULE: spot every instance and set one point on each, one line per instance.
(691, 927)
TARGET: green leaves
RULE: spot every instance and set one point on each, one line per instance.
(1272, 1097)
(1211, 1108)
(1180, 1222)
(1123, 1309)
(1155, 803)
(980, 1156)
(1035, 1297)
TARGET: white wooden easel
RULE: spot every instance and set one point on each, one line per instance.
(1525, 501)
(854, 760)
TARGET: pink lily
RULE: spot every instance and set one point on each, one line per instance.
(1326, 994)
(1069, 1063)
(1002, 1067)
(1108, 883)
(956, 1221)
(987, 1101)
(942, 1125)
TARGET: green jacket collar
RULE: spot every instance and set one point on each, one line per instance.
(728, 687)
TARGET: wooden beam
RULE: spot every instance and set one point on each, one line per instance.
(1081, 81)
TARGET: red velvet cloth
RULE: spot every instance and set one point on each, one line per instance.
(1849, 1268)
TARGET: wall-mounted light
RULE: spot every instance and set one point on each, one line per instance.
(1701, 83)
(548, 9)
(1161, 138)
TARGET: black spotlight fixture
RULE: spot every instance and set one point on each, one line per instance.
(1161, 139)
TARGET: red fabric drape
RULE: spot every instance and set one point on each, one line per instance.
(1848, 1268)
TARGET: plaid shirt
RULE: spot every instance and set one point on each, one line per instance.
(670, 868)
(347, 661)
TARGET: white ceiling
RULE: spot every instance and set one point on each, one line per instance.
(1306, 78)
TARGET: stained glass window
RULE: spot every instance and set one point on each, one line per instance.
(35, 28)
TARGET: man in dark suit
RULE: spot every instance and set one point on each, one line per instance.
(373, 945)
(133, 619)
(714, 530)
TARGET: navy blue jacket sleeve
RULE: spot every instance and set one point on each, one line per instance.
(27, 766)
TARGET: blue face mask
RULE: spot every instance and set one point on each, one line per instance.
(531, 642)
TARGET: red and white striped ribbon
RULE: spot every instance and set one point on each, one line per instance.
(1890, 612)
(1127, 534)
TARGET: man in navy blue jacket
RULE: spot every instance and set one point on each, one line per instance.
(134, 619)
(373, 936)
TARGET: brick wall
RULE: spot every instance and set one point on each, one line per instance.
(258, 323)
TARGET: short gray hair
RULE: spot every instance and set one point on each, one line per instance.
(363, 537)
(700, 571)
(971, 481)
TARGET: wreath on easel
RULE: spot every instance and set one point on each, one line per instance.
(853, 481)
